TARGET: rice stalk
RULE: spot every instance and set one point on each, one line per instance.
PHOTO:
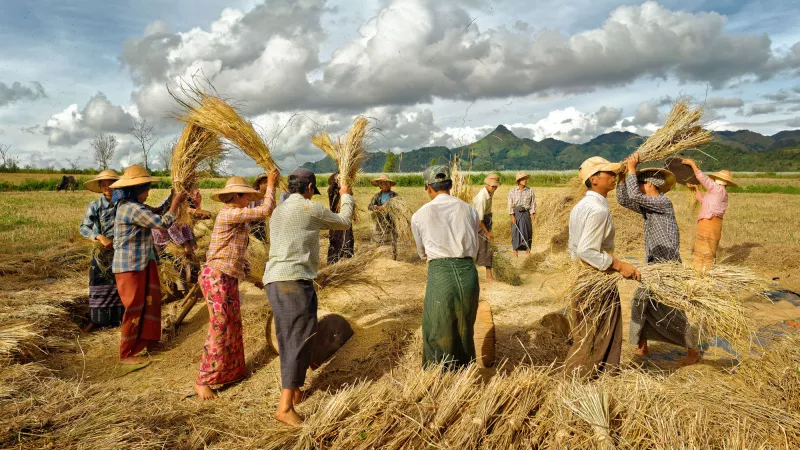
(195, 145)
(502, 267)
(681, 131)
(462, 185)
(397, 211)
(257, 255)
(348, 273)
(348, 152)
(590, 403)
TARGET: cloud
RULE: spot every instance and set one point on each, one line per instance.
(72, 126)
(646, 114)
(723, 102)
(777, 96)
(763, 108)
(17, 92)
(608, 117)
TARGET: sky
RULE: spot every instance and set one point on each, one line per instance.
(425, 72)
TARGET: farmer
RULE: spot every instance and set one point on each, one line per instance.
(482, 203)
(384, 226)
(259, 228)
(446, 233)
(222, 361)
(135, 261)
(712, 209)
(522, 208)
(341, 242)
(289, 279)
(105, 305)
(643, 192)
(597, 336)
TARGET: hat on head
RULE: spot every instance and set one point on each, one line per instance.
(133, 176)
(492, 180)
(521, 175)
(663, 179)
(304, 176)
(724, 176)
(436, 174)
(596, 164)
(383, 178)
(94, 184)
(237, 185)
(259, 179)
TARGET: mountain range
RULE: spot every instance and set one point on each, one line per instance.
(501, 149)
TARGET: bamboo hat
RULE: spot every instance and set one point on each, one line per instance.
(663, 174)
(596, 164)
(383, 178)
(521, 175)
(133, 176)
(724, 176)
(94, 184)
(492, 180)
(258, 180)
(237, 185)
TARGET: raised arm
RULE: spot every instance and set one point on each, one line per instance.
(623, 197)
(247, 215)
(660, 204)
(341, 221)
(143, 216)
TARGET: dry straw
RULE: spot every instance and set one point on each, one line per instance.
(462, 185)
(502, 267)
(681, 131)
(348, 152)
(398, 211)
(194, 146)
(348, 273)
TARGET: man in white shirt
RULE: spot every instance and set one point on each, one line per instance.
(482, 203)
(597, 336)
(446, 233)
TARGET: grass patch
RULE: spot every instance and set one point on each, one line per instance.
(765, 189)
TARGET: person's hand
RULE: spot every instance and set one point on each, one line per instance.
(259, 285)
(690, 163)
(632, 162)
(627, 270)
(533, 216)
(178, 198)
(272, 178)
(488, 235)
(514, 220)
(380, 207)
(108, 244)
(345, 189)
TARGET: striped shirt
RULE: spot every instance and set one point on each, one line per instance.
(294, 236)
(591, 231)
(661, 235)
(524, 198)
(99, 219)
(133, 242)
(231, 234)
(482, 203)
(445, 227)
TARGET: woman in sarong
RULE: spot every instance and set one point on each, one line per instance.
(222, 361)
(341, 242)
(714, 204)
(385, 231)
(522, 208)
(105, 306)
(134, 264)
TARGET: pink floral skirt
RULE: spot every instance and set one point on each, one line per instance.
(222, 361)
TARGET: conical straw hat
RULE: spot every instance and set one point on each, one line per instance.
(94, 184)
(237, 185)
(383, 178)
(725, 176)
(521, 175)
(133, 176)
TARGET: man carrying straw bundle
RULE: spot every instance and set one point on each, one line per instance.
(643, 192)
(222, 361)
(446, 233)
(714, 204)
(341, 243)
(522, 208)
(105, 306)
(482, 203)
(384, 225)
(597, 328)
(289, 278)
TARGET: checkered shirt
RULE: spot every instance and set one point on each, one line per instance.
(99, 219)
(524, 198)
(179, 233)
(661, 235)
(231, 234)
(294, 236)
(133, 242)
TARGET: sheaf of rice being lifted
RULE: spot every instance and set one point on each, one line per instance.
(195, 146)
(348, 152)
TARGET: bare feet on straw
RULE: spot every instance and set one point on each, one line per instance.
(692, 357)
(135, 360)
(289, 417)
(298, 397)
(204, 392)
(641, 350)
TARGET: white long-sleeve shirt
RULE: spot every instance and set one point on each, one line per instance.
(591, 231)
(445, 227)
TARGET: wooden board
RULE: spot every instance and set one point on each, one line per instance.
(484, 335)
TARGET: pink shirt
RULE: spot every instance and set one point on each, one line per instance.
(715, 202)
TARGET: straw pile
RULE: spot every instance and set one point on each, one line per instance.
(681, 131)
(348, 273)
(348, 152)
(257, 255)
(462, 185)
(54, 262)
(502, 267)
(397, 210)
(194, 146)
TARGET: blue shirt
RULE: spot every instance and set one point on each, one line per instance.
(99, 219)
(133, 242)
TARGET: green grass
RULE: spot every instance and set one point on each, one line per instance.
(765, 189)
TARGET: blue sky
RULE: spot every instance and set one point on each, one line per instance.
(428, 72)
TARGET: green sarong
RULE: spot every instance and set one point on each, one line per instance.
(448, 316)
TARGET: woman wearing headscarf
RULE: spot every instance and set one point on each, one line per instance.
(522, 208)
(134, 264)
(341, 242)
(105, 306)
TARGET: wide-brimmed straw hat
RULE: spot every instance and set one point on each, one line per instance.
(597, 164)
(492, 180)
(237, 185)
(133, 176)
(258, 180)
(664, 174)
(723, 175)
(521, 175)
(94, 184)
(383, 178)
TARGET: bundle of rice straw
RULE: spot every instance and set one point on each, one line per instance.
(680, 132)
(348, 152)
(462, 185)
(194, 146)
(711, 299)
(502, 267)
(590, 403)
(348, 273)
(400, 214)
(257, 255)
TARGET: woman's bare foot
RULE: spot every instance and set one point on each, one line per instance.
(135, 360)
(298, 397)
(289, 417)
(692, 357)
(87, 328)
(516, 254)
(641, 350)
(204, 392)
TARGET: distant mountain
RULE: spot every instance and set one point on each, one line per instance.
(741, 150)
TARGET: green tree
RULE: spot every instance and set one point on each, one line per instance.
(390, 166)
(434, 161)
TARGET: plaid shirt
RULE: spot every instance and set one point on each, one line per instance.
(133, 243)
(99, 219)
(524, 198)
(294, 236)
(661, 235)
(231, 234)
(179, 233)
